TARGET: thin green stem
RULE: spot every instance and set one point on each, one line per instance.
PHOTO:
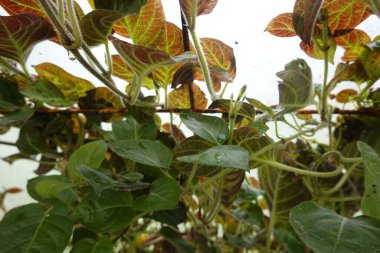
(340, 183)
(74, 25)
(344, 199)
(272, 218)
(281, 142)
(61, 10)
(109, 59)
(216, 206)
(212, 179)
(12, 68)
(224, 89)
(191, 176)
(204, 65)
(7, 143)
(299, 171)
(364, 92)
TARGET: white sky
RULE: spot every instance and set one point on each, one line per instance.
(259, 56)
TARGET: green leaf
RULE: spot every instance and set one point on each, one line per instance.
(97, 25)
(210, 128)
(122, 6)
(108, 213)
(103, 245)
(192, 146)
(44, 188)
(130, 129)
(260, 106)
(296, 88)
(10, 97)
(16, 117)
(228, 156)
(71, 86)
(91, 154)
(143, 60)
(33, 228)
(46, 92)
(100, 182)
(171, 217)
(147, 152)
(327, 232)
(371, 197)
(178, 242)
(31, 140)
(19, 33)
(163, 194)
(193, 8)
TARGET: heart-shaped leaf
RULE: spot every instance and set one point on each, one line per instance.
(210, 128)
(46, 92)
(71, 86)
(296, 88)
(180, 98)
(91, 154)
(130, 129)
(97, 25)
(163, 194)
(282, 26)
(108, 213)
(100, 182)
(26, 229)
(325, 231)
(371, 196)
(228, 156)
(103, 245)
(19, 33)
(143, 61)
(146, 28)
(193, 8)
(147, 152)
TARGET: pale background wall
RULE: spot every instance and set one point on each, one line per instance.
(239, 23)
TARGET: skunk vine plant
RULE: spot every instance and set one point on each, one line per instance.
(142, 185)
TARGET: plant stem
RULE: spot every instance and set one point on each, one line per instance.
(325, 49)
(299, 171)
(109, 59)
(218, 199)
(74, 25)
(12, 68)
(191, 176)
(204, 65)
(61, 10)
(7, 143)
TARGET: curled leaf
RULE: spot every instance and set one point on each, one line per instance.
(346, 95)
(193, 8)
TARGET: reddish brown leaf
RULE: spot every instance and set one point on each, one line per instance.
(345, 15)
(346, 96)
(282, 26)
(194, 8)
(305, 15)
(174, 130)
(352, 42)
(170, 44)
(19, 33)
(14, 7)
(314, 51)
(13, 190)
(180, 98)
(146, 28)
(354, 72)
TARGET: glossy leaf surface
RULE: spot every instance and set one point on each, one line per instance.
(147, 152)
(33, 228)
(228, 156)
(20, 33)
(325, 231)
(210, 128)
(163, 194)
